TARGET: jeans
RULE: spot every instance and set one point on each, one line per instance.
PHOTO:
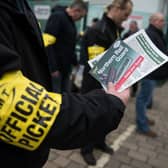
(143, 99)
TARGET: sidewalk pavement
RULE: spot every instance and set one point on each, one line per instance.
(132, 150)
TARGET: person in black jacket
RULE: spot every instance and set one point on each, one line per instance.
(133, 28)
(96, 40)
(33, 119)
(61, 54)
(148, 84)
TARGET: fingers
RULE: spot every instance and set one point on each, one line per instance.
(110, 86)
(124, 95)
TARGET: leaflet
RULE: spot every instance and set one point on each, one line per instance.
(127, 61)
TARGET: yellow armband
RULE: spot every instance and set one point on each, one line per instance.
(95, 50)
(27, 111)
(48, 39)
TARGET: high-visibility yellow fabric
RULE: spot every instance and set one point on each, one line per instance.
(27, 111)
(95, 50)
(81, 33)
(48, 39)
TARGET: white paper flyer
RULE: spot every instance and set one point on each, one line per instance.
(137, 57)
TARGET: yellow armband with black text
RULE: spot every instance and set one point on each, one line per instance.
(48, 39)
(27, 111)
(95, 50)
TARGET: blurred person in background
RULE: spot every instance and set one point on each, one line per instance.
(148, 84)
(77, 73)
(61, 54)
(96, 40)
(133, 28)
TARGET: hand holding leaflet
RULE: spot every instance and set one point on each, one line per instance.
(124, 95)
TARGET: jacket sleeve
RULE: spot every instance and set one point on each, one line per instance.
(84, 119)
(53, 28)
(83, 51)
(9, 58)
(31, 116)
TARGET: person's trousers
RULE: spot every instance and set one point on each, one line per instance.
(90, 146)
(144, 98)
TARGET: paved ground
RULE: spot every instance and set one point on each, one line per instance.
(131, 149)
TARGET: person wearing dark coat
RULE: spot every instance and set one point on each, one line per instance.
(96, 40)
(61, 54)
(148, 84)
(32, 119)
(133, 28)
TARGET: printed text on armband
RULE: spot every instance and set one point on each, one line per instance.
(30, 119)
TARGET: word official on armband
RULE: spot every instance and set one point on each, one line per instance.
(27, 112)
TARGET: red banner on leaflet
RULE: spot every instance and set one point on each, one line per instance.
(130, 70)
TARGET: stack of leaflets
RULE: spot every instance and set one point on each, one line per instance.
(126, 62)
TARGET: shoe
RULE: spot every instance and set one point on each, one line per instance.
(89, 158)
(105, 148)
(151, 122)
(149, 133)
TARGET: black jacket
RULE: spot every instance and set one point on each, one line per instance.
(61, 54)
(81, 118)
(103, 34)
(157, 38)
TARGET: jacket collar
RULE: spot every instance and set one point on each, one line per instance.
(153, 28)
(112, 24)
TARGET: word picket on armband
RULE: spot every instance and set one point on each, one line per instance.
(27, 111)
